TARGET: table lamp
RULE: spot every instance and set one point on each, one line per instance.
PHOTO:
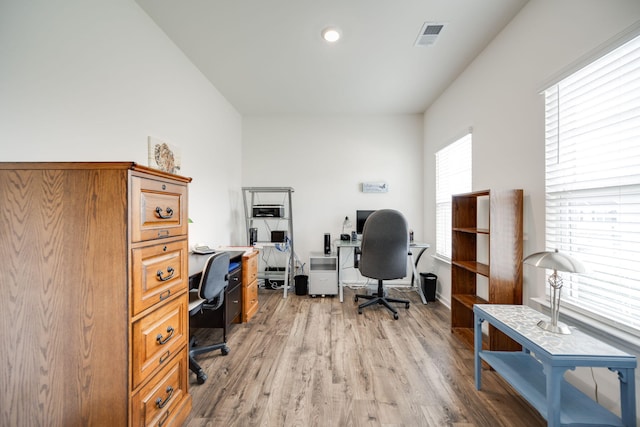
(345, 224)
(557, 262)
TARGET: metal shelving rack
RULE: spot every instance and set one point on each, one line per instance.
(252, 195)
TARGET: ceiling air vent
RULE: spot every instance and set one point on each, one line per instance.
(428, 34)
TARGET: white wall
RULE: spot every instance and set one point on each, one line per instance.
(326, 158)
(498, 95)
(90, 81)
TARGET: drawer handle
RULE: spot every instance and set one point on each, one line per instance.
(164, 418)
(171, 272)
(165, 356)
(160, 403)
(163, 216)
(165, 295)
(163, 341)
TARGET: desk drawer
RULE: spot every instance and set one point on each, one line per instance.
(158, 209)
(158, 336)
(249, 268)
(323, 283)
(160, 400)
(235, 279)
(249, 300)
(234, 298)
(159, 272)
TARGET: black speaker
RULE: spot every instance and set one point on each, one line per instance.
(327, 243)
(253, 236)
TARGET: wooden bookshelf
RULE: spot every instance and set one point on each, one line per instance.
(485, 224)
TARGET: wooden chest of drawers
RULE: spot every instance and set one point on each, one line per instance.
(97, 277)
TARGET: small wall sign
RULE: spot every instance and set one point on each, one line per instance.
(375, 187)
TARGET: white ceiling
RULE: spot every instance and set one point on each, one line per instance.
(267, 56)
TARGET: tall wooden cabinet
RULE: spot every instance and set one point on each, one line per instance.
(95, 295)
(486, 248)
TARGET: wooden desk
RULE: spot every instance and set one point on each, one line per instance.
(241, 297)
(540, 379)
(233, 295)
(196, 261)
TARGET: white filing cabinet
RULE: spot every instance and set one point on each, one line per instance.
(323, 274)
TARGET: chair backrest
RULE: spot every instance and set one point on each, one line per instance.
(385, 245)
(215, 276)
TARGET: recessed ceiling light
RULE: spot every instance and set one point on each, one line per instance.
(331, 34)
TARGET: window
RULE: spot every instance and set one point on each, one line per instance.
(453, 176)
(592, 124)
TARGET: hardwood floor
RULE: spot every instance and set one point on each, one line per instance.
(305, 361)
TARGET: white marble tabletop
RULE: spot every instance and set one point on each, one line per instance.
(524, 319)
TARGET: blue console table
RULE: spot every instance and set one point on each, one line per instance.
(537, 371)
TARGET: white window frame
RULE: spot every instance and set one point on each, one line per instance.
(453, 176)
(592, 184)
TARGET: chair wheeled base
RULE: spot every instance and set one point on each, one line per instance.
(201, 376)
(379, 298)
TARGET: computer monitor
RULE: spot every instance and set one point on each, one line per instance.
(361, 217)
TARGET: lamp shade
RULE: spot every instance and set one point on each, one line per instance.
(555, 260)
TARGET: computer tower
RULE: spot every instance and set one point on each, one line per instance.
(253, 236)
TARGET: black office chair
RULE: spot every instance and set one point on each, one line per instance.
(209, 296)
(384, 253)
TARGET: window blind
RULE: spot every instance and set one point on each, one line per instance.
(453, 176)
(592, 125)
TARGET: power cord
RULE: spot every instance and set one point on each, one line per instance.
(286, 246)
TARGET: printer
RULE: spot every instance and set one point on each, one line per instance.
(275, 211)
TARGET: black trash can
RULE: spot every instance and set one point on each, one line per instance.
(429, 281)
(301, 284)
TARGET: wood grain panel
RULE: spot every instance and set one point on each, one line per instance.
(57, 272)
(506, 247)
(160, 272)
(161, 398)
(315, 362)
(249, 300)
(158, 337)
(249, 267)
(158, 209)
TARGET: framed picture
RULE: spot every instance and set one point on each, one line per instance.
(164, 156)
